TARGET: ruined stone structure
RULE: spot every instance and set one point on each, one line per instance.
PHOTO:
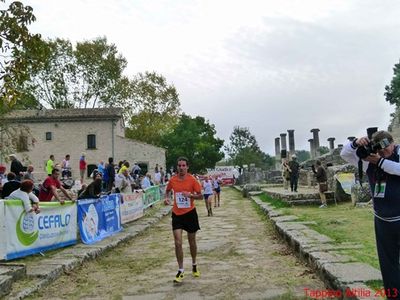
(283, 141)
(291, 141)
(316, 141)
(277, 154)
(98, 132)
(331, 141)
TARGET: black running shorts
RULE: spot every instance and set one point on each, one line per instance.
(188, 222)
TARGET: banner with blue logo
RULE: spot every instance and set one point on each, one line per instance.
(99, 218)
(151, 196)
(25, 233)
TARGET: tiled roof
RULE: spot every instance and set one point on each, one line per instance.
(68, 114)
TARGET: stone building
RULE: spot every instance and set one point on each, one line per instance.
(99, 132)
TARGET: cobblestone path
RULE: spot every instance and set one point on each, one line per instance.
(239, 257)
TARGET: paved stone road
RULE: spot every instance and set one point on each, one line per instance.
(239, 258)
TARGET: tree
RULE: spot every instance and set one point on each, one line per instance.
(244, 150)
(302, 155)
(88, 76)
(323, 150)
(154, 108)
(392, 91)
(195, 139)
(20, 51)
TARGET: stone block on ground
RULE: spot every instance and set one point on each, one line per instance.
(5, 284)
(16, 271)
(347, 273)
(43, 270)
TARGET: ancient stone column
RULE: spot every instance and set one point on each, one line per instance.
(283, 141)
(331, 141)
(312, 150)
(351, 138)
(277, 147)
(291, 141)
(277, 154)
(316, 141)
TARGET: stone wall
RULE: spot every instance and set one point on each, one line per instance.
(71, 138)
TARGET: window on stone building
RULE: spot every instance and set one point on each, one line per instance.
(49, 136)
(22, 143)
(91, 141)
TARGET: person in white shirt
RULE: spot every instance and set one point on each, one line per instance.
(146, 183)
(207, 193)
(157, 178)
(24, 193)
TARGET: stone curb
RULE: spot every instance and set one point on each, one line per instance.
(337, 271)
(52, 268)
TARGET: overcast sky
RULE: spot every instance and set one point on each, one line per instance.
(266, 65)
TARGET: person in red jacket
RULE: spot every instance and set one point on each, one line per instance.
(82, 166)
(49, 187)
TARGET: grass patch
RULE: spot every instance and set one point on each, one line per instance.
(274, 202)
(343, 223)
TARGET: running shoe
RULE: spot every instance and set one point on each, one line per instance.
(195, 271)
(179, 277)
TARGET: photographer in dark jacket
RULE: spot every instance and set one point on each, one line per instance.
(383, 171)
(294, 173)
(320, 175)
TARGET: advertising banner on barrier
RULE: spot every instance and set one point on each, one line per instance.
(346, 180)
(131, 206)
(151, 195)
(227, 173)
(29, 233)
(99, 218)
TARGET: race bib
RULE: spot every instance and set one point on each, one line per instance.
(380, 190)
(182, 201)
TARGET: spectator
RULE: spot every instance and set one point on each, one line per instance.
(124, 182)
(135, 171)
(24, 193)
(100, 167)
(49, 187)
(66, 167)
(109, 173)
(3, 176)
(162, 173)
(82, 166)
(28, 175)
(294, 173)
(124, 166)
(50, 165)
(156, 169)
(93, 190)
(16, 166)
(146, 183)
(157, 178)
(10, 186)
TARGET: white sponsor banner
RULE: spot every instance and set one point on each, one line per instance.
(132, 207)
(228, 174)
(28, 233)
(224, 172)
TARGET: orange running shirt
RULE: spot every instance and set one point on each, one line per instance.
(183, 205)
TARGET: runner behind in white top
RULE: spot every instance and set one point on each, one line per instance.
(208, 192)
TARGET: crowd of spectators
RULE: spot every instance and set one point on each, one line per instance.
(20, 182)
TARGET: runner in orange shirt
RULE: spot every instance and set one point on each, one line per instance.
(184, 216)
